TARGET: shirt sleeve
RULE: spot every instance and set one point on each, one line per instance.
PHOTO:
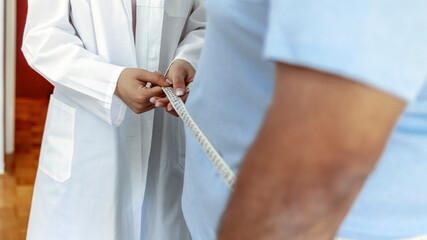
(381, 43)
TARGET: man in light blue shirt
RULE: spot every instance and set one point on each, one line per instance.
(307, 100)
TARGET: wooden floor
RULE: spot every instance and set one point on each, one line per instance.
(16, 186)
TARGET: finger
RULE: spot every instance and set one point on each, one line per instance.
(169, 109)
(153, 92)
(173, 113)
(150, 95)
(184, 98)
(190, 76)
(178, 80)
(161, 102)
(164, 100)
(154, 99)
(156, 78)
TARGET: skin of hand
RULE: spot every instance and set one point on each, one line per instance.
(131, 88)
(321, 138)
(181, 73)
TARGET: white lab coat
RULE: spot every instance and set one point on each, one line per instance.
(106, 173)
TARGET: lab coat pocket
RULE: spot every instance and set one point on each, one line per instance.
(178, 8)
(58, 141)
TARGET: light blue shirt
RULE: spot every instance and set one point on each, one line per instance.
(382, 44)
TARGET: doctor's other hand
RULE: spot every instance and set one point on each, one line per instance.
(181, 73)
(131, 88)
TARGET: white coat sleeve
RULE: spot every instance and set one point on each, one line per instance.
(52, 47)
(193, 35)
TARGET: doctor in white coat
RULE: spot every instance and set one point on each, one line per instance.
(107, 172)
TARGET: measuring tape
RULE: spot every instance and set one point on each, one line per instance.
(217, 161)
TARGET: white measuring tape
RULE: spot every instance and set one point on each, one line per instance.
(217, 161)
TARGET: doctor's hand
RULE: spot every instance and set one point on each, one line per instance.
(131, 88)
(181, 73)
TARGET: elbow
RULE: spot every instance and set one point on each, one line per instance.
(352, 166)
(363, 152)
(27, 55)
(25, 49)
(339, 164)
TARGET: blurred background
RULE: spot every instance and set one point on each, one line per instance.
(23, 107)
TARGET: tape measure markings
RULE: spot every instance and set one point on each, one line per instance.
(217, 161)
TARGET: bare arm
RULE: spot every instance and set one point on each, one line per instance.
(321, 139)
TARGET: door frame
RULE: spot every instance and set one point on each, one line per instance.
(10, 75)
(2, 90)
(8, 81)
